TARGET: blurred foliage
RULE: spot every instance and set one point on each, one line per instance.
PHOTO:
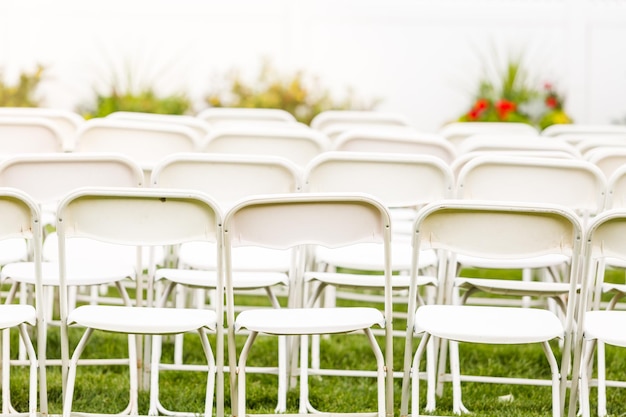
(299, 93)
(146, 101)
(126, 91)
(21, 94)
(511, 97)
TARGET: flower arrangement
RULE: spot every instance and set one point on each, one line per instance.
(299, 93)
(511, 98)
(23, 93)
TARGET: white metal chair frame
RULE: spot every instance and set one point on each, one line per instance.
(29, 134)
(222, 116)
(394, 141)
(228, 178)
(20, 217)
(66, 121)
(297, 221)
(478, 228)
(142, 217)
(297, 145)
(598, 326)
(457, 132)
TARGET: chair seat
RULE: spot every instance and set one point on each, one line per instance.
(142, 320)
(514, 287)
(606, 326)
(12, 315)
(87, 273)
(197, 255)
(542, 261)
(483, 324)
(367, 281)
(208, 279)
(369, 256)
(307, 321)
(13, 250)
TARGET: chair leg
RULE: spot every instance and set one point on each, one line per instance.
(241, 375)
(153, 409)
(455, 369)
(6, 371)
(71, 373)
(556, 379)
(601, 355)
(30, 353)
(415, 377)
(281, 405)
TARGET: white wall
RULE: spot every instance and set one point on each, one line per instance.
(421, 57)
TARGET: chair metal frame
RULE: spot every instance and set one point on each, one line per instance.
(298, 221)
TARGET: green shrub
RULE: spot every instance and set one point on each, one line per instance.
(146, 101)
(299, 93)
(21, 94)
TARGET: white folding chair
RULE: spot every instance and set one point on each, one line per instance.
(598, 263)
(66, 121)
(334, 122)
(47, 178)
(590, 143)
(498, 230)
(401, 182)
(297, 145)
(299, 221)
(394, 141)
(140, 217)
(581, 130)
(238, 116)
(20, 218)
(199, 126)
(598, 326)
(515, 143)
(607, 158)
(228, 178)
(146, 143)
(576, 184)
(29, 134)
(456, 132)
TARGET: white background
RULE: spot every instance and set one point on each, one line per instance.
(421, 58)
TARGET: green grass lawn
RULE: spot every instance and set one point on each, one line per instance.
(105, 389)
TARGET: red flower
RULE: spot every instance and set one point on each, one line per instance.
(481, 104)
(504, 107)
(552, 102)
(478, 109)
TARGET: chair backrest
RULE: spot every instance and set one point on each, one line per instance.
(136, 217)
(237, 116)
(146, 143)
(405, 141)
(29, 134)
(297, 145)
(497, 229)
(396, 180)
(227, 178)
(616, 193)
(197, 125)
(583, 129)
(456, 132)
(590, 143)
(20, 219)
(514, 143)
(291, 220)
(460, 161)
(607, 158)
(66, 121)
(574, 183)
(350, 119)
(49, 177)
(604, 240)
